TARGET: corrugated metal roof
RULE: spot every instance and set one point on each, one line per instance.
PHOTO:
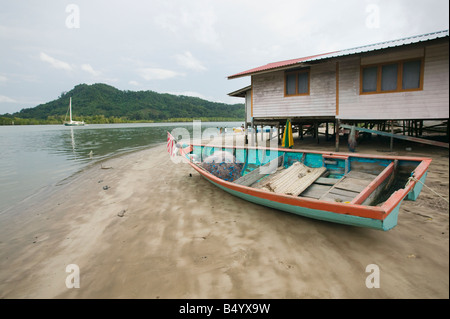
(361, 49)
(276, 65)
(240, 92)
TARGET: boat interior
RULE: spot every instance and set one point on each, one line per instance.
(323, 176)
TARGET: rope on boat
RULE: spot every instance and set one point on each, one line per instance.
(416, 180)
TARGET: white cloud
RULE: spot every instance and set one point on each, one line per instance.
(158, 74)
(202, 20)
(188, 61)
(88, 68)
(14, 32)
(18, 77)
(192, 19)
(57, 64)
(5, 99)
(135, 83)
(166, 21)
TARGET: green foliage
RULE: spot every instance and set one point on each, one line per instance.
(101, 103)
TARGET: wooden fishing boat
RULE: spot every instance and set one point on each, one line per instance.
(347, 188)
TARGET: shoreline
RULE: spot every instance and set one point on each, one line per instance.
(49, 189)
(160, 231)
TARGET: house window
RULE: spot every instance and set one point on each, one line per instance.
(291, 84)
(369, 79)
(389, 77)
(411, 75)
(297, 83)
(392, 77)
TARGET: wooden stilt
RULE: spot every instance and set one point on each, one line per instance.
(392, 137)
(316, 131)
(246, 132)
(336, 132)
(253, 135)
(278, 134)
(448, 129)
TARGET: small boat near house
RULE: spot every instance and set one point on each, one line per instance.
(346, 188)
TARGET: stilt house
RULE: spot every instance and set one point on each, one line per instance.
(403, 80)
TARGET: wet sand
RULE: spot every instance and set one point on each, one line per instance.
(140, 226)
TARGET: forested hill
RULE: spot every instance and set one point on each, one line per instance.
(101, 103)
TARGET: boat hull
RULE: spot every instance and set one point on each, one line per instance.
(73, 124)
(383, 216)
(321, 214)
(315, 213)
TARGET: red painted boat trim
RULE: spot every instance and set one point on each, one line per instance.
(337, 156)
(362, 196)
(339, 208)
(374, 212)
(399, 195)
(325, 154)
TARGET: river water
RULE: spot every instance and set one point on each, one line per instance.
(33, 157)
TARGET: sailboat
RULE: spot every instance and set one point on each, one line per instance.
(71, 122)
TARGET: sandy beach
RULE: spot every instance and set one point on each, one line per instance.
(141, 226)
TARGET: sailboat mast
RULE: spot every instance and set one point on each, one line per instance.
(70, 109)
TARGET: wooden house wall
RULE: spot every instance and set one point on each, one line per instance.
(248, 106)
(269, 100)
(430, 103)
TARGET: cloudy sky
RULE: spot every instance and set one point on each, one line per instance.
(185, 47)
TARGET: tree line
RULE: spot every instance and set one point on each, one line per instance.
(102, 104)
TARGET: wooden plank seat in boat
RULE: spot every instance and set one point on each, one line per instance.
(293, 180)
(257, 174)
(355, 187)
(340, 190)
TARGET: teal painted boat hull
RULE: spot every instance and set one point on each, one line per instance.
(383, 216)
(319, 214)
